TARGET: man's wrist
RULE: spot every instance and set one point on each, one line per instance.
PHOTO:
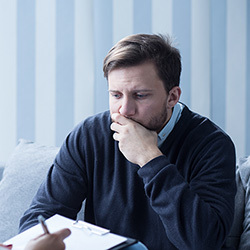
(147, 158)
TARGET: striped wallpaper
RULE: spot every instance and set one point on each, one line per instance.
(51, 54)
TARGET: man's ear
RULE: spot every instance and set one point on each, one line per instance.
(174, 96)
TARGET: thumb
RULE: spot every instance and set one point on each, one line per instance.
(63, 233)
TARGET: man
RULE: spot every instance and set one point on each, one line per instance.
(149, 168)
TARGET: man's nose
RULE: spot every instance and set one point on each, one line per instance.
(127, 107)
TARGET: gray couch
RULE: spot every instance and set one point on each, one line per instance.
(20, 178)
(27, 167)
(240, 233)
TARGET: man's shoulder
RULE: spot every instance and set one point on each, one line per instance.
(92, 131)
(102, 117)
(97, 121)
(194, 119)
(200, 128)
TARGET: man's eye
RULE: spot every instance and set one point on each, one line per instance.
(115, 95)
(141, 96)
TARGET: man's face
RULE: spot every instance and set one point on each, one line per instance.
(138, 93)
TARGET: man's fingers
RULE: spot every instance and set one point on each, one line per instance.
(63, 233)
(115, 127)
(120, 119)
(115, 137)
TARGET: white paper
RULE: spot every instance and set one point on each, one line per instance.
(78, 240)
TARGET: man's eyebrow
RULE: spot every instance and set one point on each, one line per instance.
(143, 90)
(135, 90)
(113, 90)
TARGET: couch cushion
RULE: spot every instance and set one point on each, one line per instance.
(239, 237)
(23, 174)
(244, 169)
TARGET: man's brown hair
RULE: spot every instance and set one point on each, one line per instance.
(136, 49)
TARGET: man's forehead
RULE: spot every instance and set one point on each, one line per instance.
(146, 65)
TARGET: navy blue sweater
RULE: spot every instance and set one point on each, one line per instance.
(182, 200)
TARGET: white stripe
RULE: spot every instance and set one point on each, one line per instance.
(84, 60)
(8, 60)
(200, 57)
(122, 19)
(236, 73)
(162, 17)
(45, 72)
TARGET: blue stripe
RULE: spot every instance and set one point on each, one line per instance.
(218, 62)
(248, 83)
(142, 16)
(26, 69)
(182, 31)
(103, 36)
(64, 68)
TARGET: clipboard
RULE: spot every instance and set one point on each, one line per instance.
(127, 243)
(83, 235)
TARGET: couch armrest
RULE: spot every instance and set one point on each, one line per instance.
(24, 172)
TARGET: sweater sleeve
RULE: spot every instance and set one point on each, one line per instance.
(196, 204)
(63, 190)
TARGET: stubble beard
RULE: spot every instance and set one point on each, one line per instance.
(156, 122)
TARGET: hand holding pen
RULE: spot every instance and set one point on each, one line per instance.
(48, 241)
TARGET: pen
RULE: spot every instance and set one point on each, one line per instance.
(43, 224)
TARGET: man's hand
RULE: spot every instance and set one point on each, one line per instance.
(137, 144)
(52, 241)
